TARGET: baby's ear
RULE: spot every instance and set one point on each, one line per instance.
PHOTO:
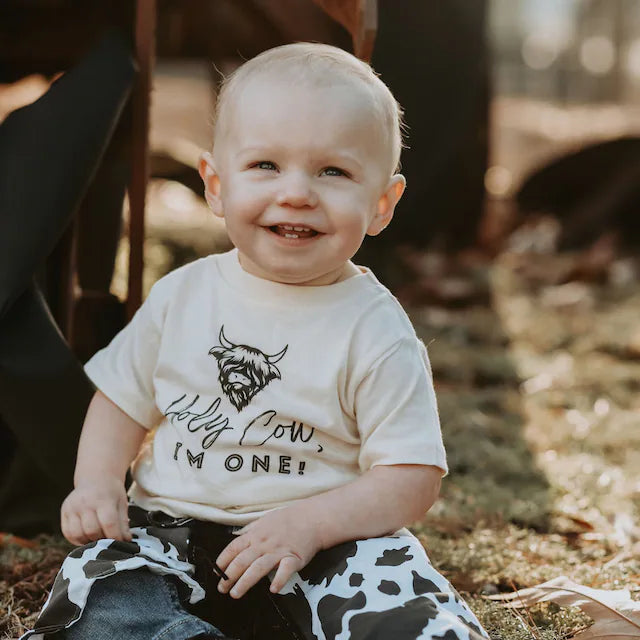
(211, 183)
(387, 204)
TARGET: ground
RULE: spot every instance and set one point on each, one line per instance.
(538, 392)
(536, 361)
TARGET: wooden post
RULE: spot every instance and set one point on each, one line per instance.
(367, 26)
(359, 18)
(141, 101)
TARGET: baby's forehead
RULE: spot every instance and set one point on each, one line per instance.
(315, 117)
(263, 86)
(260, 98)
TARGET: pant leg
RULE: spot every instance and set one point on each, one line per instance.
(136, 605)
(378, 588)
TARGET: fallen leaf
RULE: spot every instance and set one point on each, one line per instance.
(567, 522)
(615, 614)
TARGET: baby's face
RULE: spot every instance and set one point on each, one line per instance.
(300, 175)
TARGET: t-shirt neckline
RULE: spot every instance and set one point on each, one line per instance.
(233, 272)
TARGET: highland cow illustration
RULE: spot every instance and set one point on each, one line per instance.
(244, 370)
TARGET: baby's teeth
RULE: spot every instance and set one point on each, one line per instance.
(288, 228)
(291, 235)
(300, 229)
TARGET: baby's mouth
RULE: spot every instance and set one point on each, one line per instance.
(289, 231)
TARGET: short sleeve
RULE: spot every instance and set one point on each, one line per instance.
(396, 410)
(124, 369)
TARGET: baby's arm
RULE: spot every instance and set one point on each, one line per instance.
(97, 507)
(379, 502)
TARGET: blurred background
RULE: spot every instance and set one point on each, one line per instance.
(566, 76)
(515, 249)
(509, 106)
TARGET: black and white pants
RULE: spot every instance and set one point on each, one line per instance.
(382, 588)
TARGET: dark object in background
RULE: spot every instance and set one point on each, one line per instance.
(434, 58)
(592, 191)
(45, 37)
(44, 394)
(49, 153)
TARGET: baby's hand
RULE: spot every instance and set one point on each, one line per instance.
(94, 511)
(279, 538)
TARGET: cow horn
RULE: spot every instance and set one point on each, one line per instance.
(223, 339)
(276, 356)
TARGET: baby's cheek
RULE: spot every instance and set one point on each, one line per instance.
(249, 203)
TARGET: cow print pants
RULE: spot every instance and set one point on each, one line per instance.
(378, 588)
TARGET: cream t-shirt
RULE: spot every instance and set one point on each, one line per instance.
(260, 393)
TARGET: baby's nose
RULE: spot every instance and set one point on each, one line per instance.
(297, 191)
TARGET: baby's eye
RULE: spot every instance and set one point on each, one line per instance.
(264, 164)
(334, 171)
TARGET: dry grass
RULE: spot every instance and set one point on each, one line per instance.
(540, 412)
(25, 576)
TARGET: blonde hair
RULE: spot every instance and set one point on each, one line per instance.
(322, 64)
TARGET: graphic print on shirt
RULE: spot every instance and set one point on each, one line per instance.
(244, 370)
(204, 417)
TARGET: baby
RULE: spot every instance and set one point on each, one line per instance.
(275, 401)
